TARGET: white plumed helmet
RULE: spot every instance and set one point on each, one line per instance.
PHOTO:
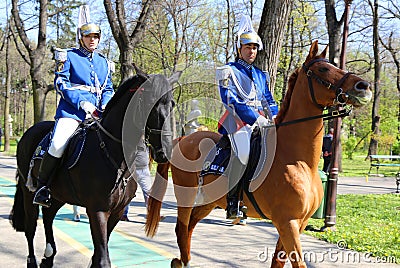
(246, 34)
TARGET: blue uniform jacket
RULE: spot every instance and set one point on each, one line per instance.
(82, 76)
(241, 104)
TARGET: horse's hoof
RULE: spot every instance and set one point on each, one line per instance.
(176, 263)
(47, 262)
(31, 262)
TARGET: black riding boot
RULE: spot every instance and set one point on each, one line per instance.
(47, 167)
(236, 170)
(232, 207)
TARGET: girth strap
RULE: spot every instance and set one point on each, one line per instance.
(254, 202)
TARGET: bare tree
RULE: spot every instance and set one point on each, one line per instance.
(35, 57)
(126, 40)
(394, 51)
(272, 27)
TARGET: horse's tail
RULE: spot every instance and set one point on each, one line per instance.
(154, 201)
(17, 214)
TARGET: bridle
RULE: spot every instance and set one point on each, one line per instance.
(340, 96)
(154, 131)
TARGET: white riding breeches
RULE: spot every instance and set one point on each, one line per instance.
(144, 179)
(62, 132)
(240, 142)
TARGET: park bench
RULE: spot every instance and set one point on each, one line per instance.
(377, 161)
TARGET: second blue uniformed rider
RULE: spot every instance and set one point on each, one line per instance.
(249, 103)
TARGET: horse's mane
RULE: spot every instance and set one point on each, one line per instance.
(161, 89)
(286, 101)
(132, 83)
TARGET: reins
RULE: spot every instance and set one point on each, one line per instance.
(334, 114)
(102, 144)
(97, 121)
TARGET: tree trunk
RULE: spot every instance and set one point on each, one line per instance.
(272, 27)
(36, 57)
(389, 47)
(335, 45)
(7, 98)
(126, 42)
(125, 58)
(38, 84)
(373, 146)
(334, 31)
(287, 57)
(228, 37)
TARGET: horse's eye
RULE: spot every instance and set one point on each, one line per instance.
(323, 69)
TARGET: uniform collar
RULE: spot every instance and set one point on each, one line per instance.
(244, 64)
(86, 52)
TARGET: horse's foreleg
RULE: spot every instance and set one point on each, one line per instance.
(289, 232)
(98, 228)
(31, 259)
(112, 221)
(48, 218)
(279, 258)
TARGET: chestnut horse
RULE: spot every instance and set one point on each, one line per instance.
(289, 191)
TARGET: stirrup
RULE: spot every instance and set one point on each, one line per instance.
(231, 215)
(232, 212)
(42, 197)
(243, 209)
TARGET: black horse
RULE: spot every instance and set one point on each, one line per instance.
(100, 180)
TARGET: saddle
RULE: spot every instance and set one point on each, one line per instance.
(71, 155)
(217, 159)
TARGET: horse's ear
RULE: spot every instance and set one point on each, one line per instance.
(313, 50)
(323, 53)
(139, 71)
(174, 77)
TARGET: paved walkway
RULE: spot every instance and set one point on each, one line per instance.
(216, 242)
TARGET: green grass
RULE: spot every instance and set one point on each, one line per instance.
(13, 147)
(366, 223)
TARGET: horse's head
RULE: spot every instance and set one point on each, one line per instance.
(157, 102)
(334, 86)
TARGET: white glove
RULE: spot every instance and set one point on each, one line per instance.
(88, 107)
(262, 121)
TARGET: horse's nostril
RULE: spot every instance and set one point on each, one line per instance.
(361, 85)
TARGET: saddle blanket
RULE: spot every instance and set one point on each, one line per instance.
(71, 156)
(217, 159)
(73, 151)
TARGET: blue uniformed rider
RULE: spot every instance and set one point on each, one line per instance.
(83, 79)
(245, 94)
